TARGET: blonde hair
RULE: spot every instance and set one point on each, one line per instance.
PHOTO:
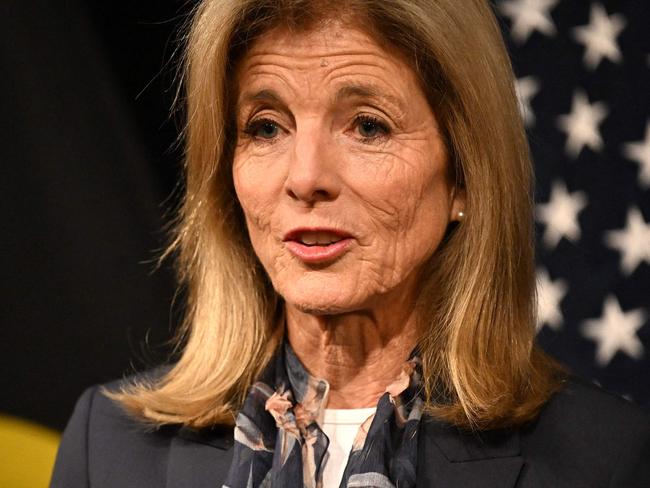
(477, 306)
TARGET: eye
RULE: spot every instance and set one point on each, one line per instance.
(370, 127)
(262, 129)
(267, 130)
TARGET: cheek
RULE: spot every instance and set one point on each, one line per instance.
(256, 197)
(426, 222)
(408, 206)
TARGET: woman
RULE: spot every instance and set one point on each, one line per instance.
(356, 242)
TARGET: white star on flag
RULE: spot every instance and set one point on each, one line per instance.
(560, 214)
(581, 125)
(633, 242)
(615, 331)
(640, 152)
(599, 36)
(527, 16)
(581, 85)
(549, 295)
(526, 88)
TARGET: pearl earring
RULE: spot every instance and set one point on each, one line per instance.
(461, 215)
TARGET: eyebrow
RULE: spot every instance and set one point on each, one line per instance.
(261, 96)
(355, 90)
(265, 95)
(367, 92)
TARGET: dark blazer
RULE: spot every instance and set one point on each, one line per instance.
(582, 438)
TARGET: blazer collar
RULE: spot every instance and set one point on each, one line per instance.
(199, 458)
(219, 437)
(449, 457)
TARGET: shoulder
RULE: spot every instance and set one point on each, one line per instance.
(589, 410)
(106, 417)
(100, 435)
(586, 433)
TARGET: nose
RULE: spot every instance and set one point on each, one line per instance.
(312, 174)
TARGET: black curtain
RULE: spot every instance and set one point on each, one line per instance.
(88, 169)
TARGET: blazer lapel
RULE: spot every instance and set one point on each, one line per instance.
(199, 459)
(449, 458)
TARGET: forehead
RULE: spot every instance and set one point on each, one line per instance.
(326, 38)
(327, 53)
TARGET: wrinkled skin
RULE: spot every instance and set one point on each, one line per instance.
(334, 131)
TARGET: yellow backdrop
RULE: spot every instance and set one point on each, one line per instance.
(27, 452)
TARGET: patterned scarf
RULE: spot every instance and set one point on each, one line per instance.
(278, 441)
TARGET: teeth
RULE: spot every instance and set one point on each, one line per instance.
(320, 238)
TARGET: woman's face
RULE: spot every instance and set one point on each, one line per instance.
(339, 167)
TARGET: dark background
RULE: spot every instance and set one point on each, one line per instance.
(90, 175)
(89, 168)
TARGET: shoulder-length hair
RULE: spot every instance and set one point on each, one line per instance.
(477, 305)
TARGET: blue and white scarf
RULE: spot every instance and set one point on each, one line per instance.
(279, 443)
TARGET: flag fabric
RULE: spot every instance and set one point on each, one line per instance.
(583, 81)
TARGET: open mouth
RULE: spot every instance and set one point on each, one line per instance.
(318, 238)
(317, 245)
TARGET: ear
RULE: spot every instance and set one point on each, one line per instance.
(457, 207)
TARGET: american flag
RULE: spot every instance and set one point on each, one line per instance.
(583, 81)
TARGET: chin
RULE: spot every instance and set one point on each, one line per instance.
(320, 298)
(317, 308)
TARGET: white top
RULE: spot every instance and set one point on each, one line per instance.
(341, 427)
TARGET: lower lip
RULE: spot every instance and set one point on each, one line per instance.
(318, 254)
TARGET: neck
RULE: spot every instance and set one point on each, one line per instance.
(358, 353)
